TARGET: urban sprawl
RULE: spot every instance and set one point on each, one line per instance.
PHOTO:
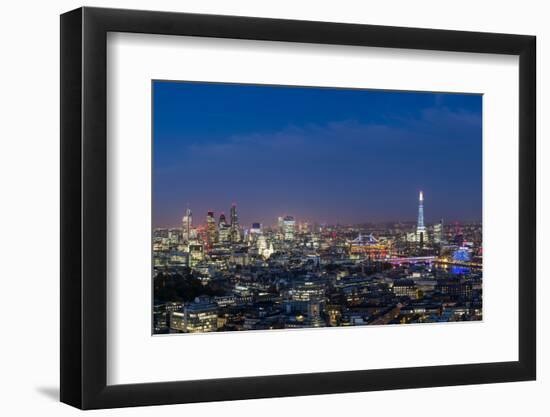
(222, 276)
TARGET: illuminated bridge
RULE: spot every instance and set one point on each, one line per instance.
(430, 259)
(411, 260)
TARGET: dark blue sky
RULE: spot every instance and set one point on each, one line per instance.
(319, 154)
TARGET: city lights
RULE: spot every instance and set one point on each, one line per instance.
(222, 276)
(291, 207)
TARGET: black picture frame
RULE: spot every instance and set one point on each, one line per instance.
(84, 207)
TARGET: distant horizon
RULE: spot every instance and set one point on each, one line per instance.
(200, 219)
(323, 155)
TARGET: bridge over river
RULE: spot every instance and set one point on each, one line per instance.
(430, 260)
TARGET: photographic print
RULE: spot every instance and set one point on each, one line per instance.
(289, 207)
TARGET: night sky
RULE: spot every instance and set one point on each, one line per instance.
(323, 155)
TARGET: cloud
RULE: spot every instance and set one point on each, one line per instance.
(345, 139)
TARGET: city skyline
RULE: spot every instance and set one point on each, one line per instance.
(222, 277)
(330, 156)
(199, 220)
(272, 208)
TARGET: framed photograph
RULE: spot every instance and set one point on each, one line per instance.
(258, 208)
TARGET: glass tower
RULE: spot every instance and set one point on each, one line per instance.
(420, 228)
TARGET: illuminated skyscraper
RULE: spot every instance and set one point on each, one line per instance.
(289, 226)
(211, 234)
(235, 232)
(439, 236)
(280, 224)
(224, 230)
(420, 228)
(186, 225)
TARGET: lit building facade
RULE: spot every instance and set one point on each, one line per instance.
(439, 234)
(196, 254)
(287, 274)
(405, 288)
(224, 230)
(235, 231)
(211, 232)
(421, 236)
(200, 316)
(289, 228)
(187, 225)
(256, 228)
(263, 248)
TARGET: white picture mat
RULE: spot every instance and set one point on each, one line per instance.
(134, 356)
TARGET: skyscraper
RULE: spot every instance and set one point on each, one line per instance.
(235, 232)
(211, 234)
(439, 236)
(289, 225)
(420, 228)
(187, 224)
(224, 230)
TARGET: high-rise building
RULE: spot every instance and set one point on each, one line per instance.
(420, 228)
(211, 232)
(235, 231)
(224, 230)
(280, 227)
(289, 226)
(186, 225)
(439, 236)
